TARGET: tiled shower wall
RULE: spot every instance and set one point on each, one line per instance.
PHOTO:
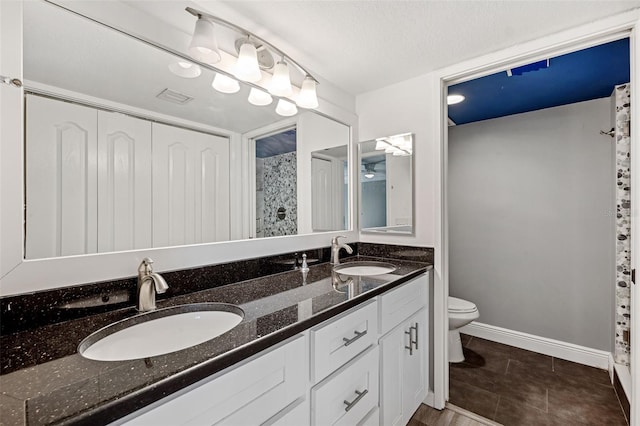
(622, 97)
(280, 190)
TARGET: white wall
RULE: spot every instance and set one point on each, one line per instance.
(401, 108)
(531, 221)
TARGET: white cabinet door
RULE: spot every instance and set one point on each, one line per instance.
(124, 182)
(414, 375)
(190, 187)
(392, 349)
(403, 385)
(61, 178)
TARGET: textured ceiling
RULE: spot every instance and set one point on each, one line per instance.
(362, 45)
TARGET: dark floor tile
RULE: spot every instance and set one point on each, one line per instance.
(515, 413)
(511, 386)
(594, 375)
(489, 349)
(474, 399)
(590, 405)
(528, 392)
(473, 359)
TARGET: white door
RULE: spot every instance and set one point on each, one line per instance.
(124, 182)
(61, 178)
(190, 187)
(322, 198)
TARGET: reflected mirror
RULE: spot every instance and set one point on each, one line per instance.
(386, 184)
(129, 146)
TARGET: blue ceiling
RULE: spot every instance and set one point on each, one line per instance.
(277, 144)
(575, 77)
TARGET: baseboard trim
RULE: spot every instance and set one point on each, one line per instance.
(556, 348)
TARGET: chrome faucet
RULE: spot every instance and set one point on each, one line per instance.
(149, 283)
(335, 249)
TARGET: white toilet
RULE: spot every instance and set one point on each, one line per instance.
(461, 313)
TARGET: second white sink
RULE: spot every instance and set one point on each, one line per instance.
(365, 268)
(161, 331)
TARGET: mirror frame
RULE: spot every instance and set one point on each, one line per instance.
(376, 231)
(18, 276)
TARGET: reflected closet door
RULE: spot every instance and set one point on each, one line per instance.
(190, 187)
(61, 178)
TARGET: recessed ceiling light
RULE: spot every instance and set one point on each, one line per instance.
(454, 99)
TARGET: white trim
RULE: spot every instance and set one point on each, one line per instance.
(611, 366)
(624, 375)
(429, 399)
(555, 348)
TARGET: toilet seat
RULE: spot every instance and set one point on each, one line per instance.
(461, 306)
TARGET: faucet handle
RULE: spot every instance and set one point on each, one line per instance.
(334, 240)
(145, 267)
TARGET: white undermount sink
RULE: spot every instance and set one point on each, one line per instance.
(160, 331)
(364, 268)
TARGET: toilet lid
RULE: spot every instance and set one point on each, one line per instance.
(461, 305)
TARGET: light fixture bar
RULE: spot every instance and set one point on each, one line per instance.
(220, 21)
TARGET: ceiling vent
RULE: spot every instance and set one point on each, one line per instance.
(174, 97)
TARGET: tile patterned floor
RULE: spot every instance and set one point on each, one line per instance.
(513, 386)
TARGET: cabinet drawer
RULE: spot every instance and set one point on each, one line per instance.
(249, 394)
(297, 414)
(347, 396)
(335, 343)
(400, 303)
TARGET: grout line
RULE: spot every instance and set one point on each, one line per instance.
(495, 412)
(547, 399)
(506, 371)
(553, 364)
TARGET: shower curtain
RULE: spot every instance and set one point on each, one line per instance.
(622, 97)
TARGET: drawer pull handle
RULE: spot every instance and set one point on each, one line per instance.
(351, 404)
(358, 334)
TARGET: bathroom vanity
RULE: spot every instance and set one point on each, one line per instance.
(313, 348)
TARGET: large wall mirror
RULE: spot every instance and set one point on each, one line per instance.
(386, 184)
(128, 146)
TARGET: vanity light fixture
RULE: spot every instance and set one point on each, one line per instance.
(286, 108)
(281, 82)
(204, 45)
(247, 67)
(185, 69)
(308, 97)
(225, 84)
(399, 145)
(454, 99)
(254, 55)
(259, 98)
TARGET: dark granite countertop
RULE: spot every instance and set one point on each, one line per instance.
(70, 389)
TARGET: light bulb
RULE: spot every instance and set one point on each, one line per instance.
(247, 68)
(369, 175)
(308, 97)
(185, 69)
(225, 84)
(286, 108)
(204, 45)
(454, 99)
(281, 83)
(259, 98)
